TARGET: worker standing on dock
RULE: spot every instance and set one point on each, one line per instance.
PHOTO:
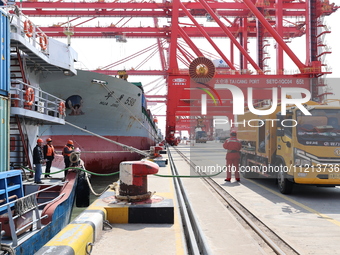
(233, 147)
(38, 160)
(48, 156)
(68, 149)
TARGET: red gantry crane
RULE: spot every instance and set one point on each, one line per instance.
(239, 34)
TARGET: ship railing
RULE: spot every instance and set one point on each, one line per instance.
(23, 26)
(41, 101)
(28, 205)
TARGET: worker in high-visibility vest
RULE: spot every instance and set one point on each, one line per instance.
(48, 156)
(68, 149)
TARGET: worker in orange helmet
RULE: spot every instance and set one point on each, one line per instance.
(38, 160)
(48, 156)
(233, 147)
(68, 149)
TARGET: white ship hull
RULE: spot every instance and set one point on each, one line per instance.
(106, 106)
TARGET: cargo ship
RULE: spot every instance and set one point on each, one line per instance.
(30, 214)
(106, 117)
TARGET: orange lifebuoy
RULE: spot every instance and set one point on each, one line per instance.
(29, 96)
(62, 108)
(28, 28)
(43, 42)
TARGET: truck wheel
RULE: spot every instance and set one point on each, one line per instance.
(285, 186)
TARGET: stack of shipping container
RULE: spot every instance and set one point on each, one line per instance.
(4, 89)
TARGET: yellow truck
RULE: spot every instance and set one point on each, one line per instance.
(292, 147)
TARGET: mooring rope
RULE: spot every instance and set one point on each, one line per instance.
(128, 148)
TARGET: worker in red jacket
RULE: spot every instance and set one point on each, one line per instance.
(233, 147)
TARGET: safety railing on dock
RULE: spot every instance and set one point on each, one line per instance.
(32, 98)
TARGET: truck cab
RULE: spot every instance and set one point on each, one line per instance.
(201, 137)
(293, 148)
(311, 148)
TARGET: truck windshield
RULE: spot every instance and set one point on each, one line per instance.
(322, 128)
(200, 134)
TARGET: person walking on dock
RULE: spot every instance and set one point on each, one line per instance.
(38, 160)
(233, 147)
(48, 156)
(68, 149)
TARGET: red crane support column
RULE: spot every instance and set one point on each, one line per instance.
(259, 40)
(172, 103)
(279, 29)
(173, 68)
(244, 42)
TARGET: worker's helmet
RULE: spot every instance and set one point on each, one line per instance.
(48, 140)
(233, 133)
(70, 142)
(40, 140)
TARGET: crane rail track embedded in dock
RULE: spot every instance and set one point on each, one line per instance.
(194, 237)
(244, 216)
